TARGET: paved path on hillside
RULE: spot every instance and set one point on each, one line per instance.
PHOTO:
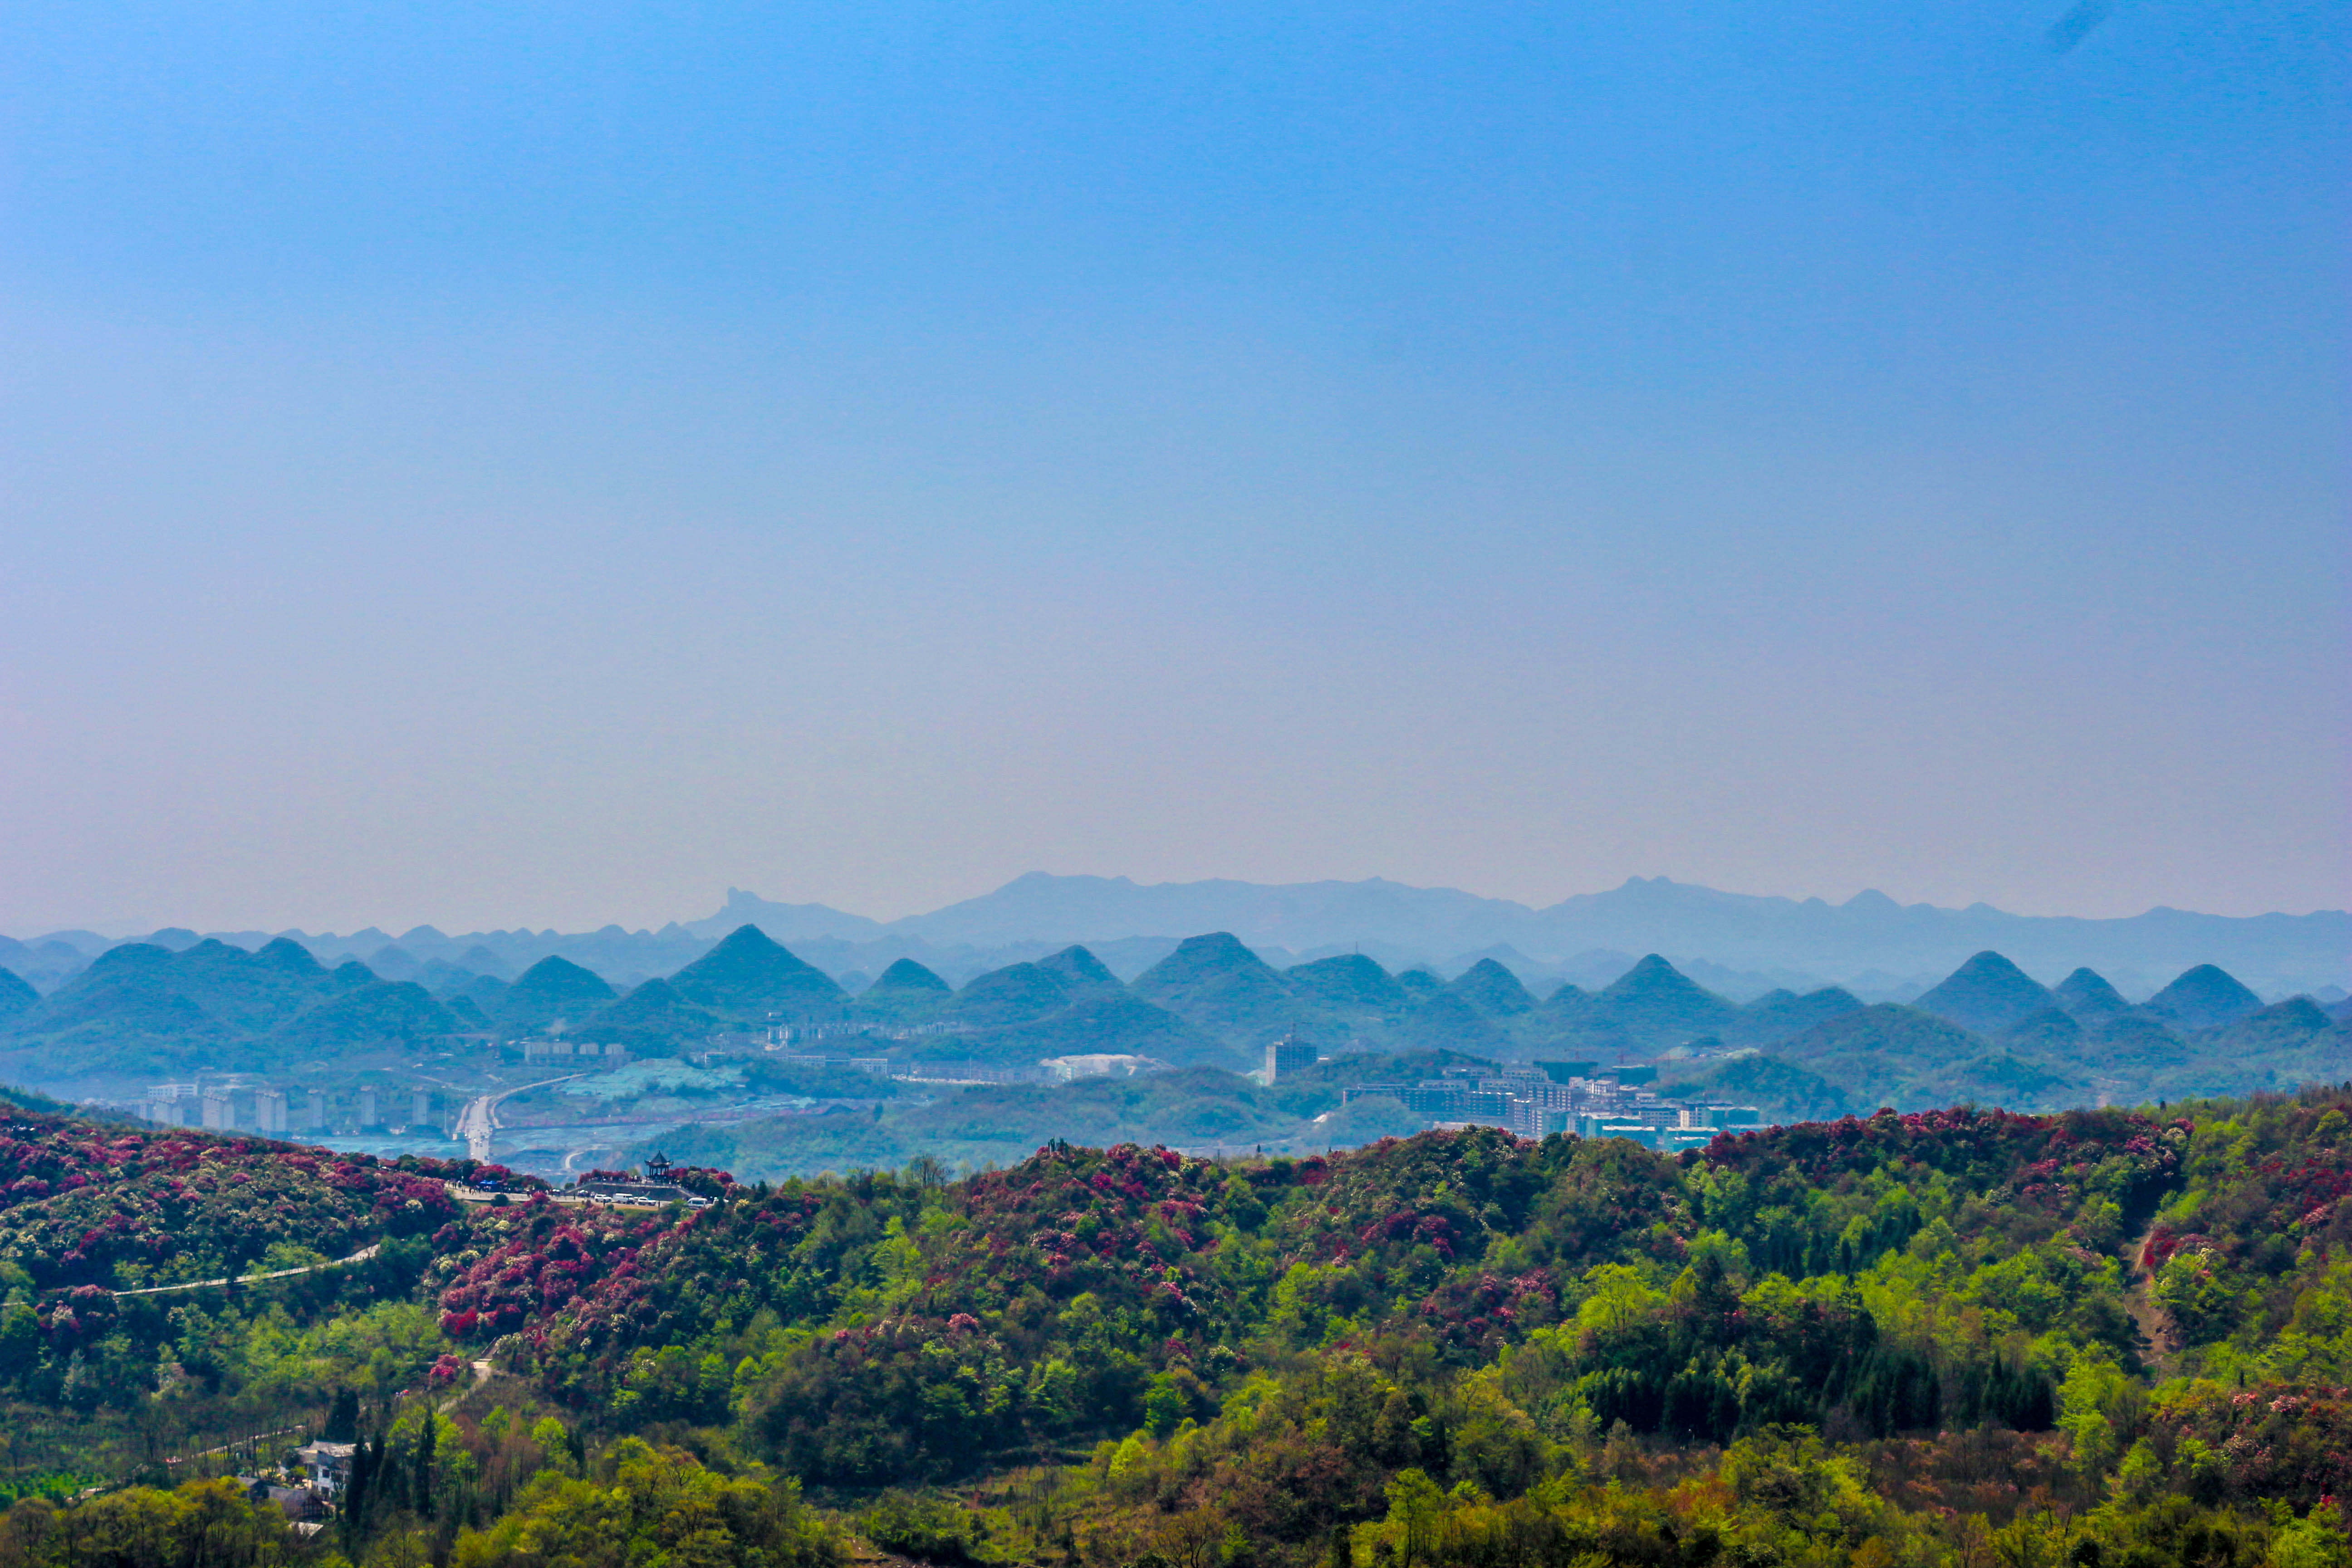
(239, 1443)
(2154, 1322)
(362, 1256)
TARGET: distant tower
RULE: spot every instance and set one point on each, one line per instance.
(368, 1115)
(420, 1109)
(1286, 1056)
(314, 1114)
(220, 1112)
(270, 1112)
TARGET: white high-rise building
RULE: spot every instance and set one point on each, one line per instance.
(169, 1104)
(269, 1111)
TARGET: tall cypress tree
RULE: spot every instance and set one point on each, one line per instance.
(355, 1495)
(425, 1439)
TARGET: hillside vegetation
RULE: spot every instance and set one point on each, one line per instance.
(1948, 1338)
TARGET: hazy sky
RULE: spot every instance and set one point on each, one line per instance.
(536, 464)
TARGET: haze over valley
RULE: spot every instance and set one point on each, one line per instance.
(978, 1032)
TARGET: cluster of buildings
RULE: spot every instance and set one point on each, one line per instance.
(311, 1499)
(239, 1102)
(1054, 1070)
(1543, 1098)
(559, 1049)
(1531, 1101)
(811, 1031)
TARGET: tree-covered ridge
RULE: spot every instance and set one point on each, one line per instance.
(1956, 1338)
(1436, 1338)
(83, 1203)
(91, 1210)
(1882, 1272)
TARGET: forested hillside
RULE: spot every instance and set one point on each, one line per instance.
(1950, 1337)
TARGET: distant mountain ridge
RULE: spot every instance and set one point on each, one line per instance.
(1395, 922)
(1734, 943)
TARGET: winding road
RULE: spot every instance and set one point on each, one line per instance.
(479, 1119)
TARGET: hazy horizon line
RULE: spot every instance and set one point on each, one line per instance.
(126, 930)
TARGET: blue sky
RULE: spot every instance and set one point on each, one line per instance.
(544, 464)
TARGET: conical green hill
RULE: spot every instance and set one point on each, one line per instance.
(1016, 994)
(552, 991)
(1493, 990)
(2134, 1042)
(555, 979)
(652, 1020)
(1081, 974)
(127, 992)
(1986, 994)
(1784, 1092)
(394, 962)
(1654, 1005)
(908, 979)
(1556, 1027)
(2280, 1027)
(1448, 1023)
(248, 992)
(485, 992)
(654, 998)
(382, 1013)
(2204, 998)
(128, 958)
(1872, 1055)
(1418, 983)
(1904, 1036)
(1216, 985)
(749, 976)
(904, 993)
(286, 954)
(1655, 983)
(1347, 983)
(2086, 995)
(1779, 1016)
(2051, 1033)
(482, 961)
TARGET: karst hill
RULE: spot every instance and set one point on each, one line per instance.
(1988, 1031)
